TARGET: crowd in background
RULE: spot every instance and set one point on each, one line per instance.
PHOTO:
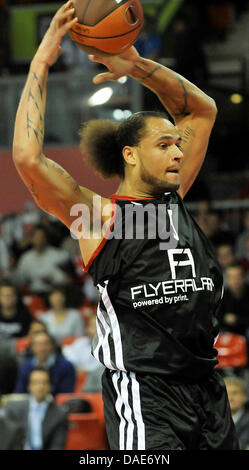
(48, 304)
(183, 39)
(48, 309)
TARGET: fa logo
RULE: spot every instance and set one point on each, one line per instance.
(188, 260)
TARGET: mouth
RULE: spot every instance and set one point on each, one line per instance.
(173, 170)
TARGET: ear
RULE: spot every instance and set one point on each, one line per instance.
(130, 155)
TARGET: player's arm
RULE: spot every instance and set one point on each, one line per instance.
(192, 110)
(53, 189)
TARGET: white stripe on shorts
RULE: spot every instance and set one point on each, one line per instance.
(130, 411)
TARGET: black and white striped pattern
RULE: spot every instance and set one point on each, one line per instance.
(128, 407)
(107, 345)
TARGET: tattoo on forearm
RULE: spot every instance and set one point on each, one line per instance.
(39, 133)
(152, 72)
(39, 86)
(184, 110)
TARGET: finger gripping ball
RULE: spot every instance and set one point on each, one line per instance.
(106, 26)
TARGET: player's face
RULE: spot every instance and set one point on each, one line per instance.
(39, 385)
(236, 397)
(159, 155)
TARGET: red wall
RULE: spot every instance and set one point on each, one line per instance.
(13, 192)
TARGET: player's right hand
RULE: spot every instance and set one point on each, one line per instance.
(118, 65)
(50, 47)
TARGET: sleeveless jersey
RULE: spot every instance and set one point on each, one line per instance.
(157, 312)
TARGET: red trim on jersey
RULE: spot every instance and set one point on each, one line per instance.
(103, 241)
(128, 198)
(179, 194)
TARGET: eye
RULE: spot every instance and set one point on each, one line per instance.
(163, 146)
(179, 145)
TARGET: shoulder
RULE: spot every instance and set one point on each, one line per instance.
(45, 316)
(73, 313)
(57, 251)
(18, 405)
(26, 365)
(63, 362)
(12, 435)
(27, 256)
(57, 411)
(24, 313)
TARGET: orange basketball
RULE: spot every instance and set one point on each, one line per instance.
(107, 26)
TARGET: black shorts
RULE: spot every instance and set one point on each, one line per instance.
(145, 412)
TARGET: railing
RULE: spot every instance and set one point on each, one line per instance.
(67, 104)
(231, 213)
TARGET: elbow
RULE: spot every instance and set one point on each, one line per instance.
(212, 108)
(23, 158)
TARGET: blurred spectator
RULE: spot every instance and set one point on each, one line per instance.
(43, 423)
(149, 45)
(11, 434)
(225, 255)
(242, 239)
(79, 353)
(201, 217)
(42, 266)
(236, 391)
(61, 321)
(4, 36)
(46, 354)
(4, 259)
(90, 291)
(15, 318)
(20, 239)
(215, 232)
(36, 326)
(149, 42)
(234, 310)
(244, 261)
(74, 58)
(188, 51)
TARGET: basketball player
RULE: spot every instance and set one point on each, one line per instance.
(156, 321)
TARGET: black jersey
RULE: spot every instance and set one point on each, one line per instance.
(158, 308)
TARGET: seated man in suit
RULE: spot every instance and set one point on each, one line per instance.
(11, 433)
(238, 399)
(44, 423)
(46, 354)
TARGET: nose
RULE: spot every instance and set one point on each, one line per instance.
(177, 154)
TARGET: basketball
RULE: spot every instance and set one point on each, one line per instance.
(106, 26)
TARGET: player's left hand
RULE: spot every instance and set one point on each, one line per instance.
(50, 47)
(118, 65)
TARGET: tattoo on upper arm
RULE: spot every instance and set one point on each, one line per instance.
(43, 160)
(64, 173)
(33, 192)
(187, 134)
(184, 109)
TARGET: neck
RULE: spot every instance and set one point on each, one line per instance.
(8, 312)
(132, 189)
(238, 292)
(39, 400)
(40, 249)
(43, 361)
(60, 311)
(236, 411)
